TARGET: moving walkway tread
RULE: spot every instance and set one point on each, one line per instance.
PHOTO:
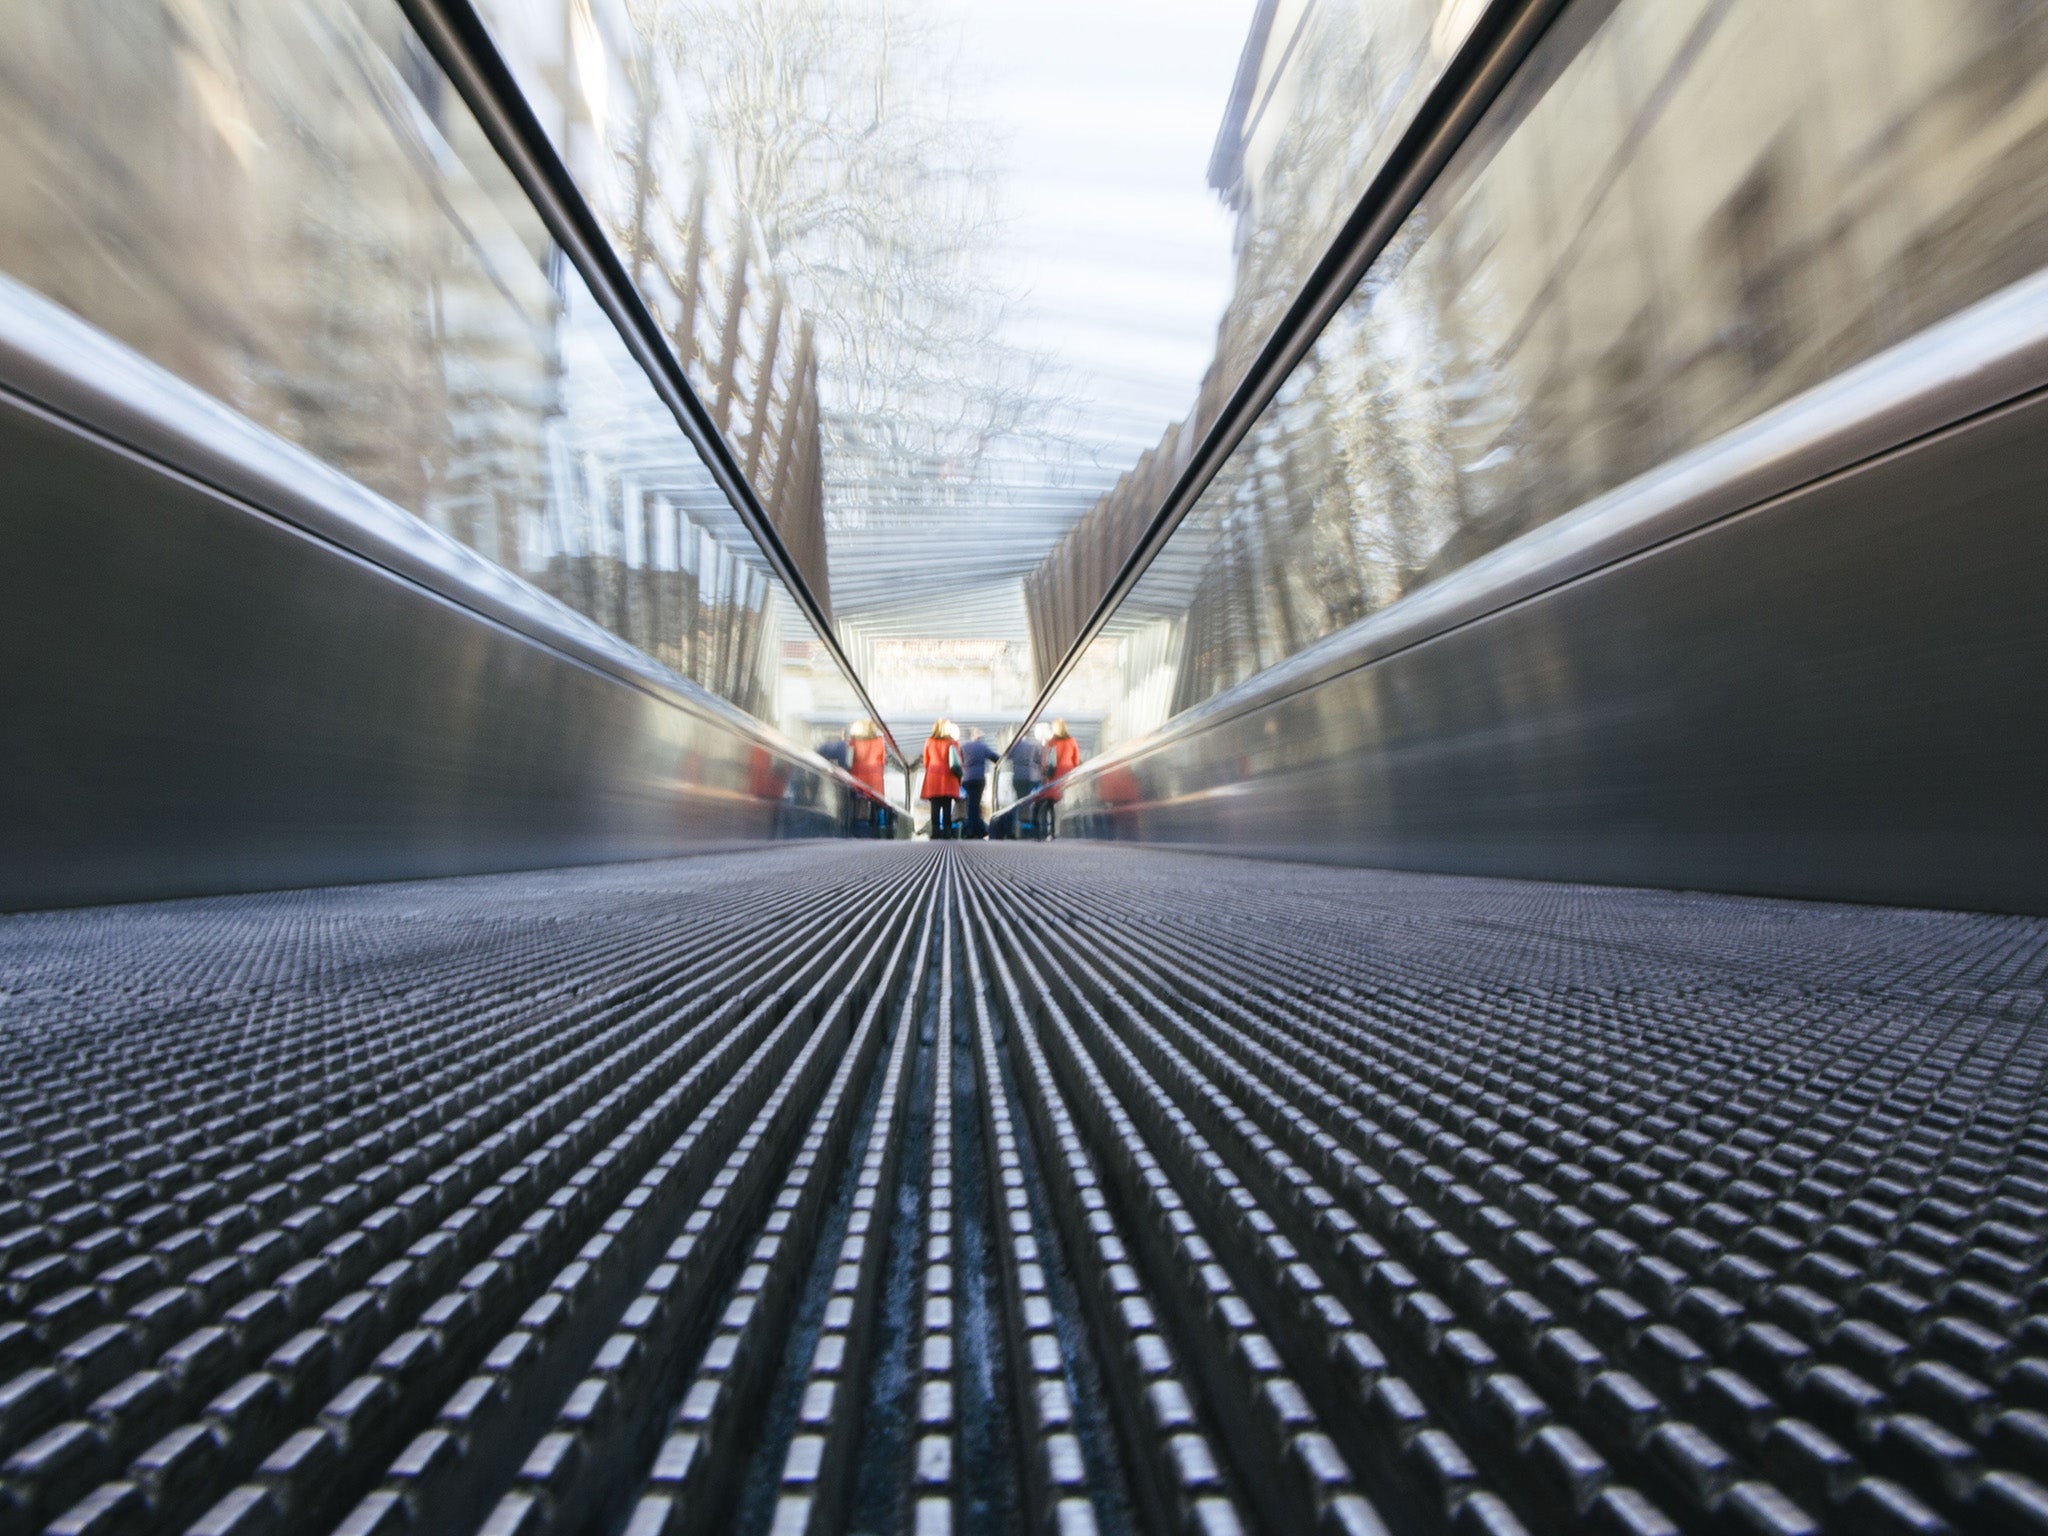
(1069, 1188)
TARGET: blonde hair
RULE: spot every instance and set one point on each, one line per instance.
(939, 728)
(1059, 730)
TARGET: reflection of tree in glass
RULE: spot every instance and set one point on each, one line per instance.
(833, 130)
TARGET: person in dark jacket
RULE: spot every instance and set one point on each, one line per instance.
(976, 756)
(1024, 755)
(853, 813)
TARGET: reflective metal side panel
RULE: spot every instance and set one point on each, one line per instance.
(1840, 692)
(200, 697)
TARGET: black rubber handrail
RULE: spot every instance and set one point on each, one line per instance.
(460, 43)
(1489, 56)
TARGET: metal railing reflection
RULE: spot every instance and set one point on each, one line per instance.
(290, 207)
(1320, 96)
(1675, 219)
(746, 346)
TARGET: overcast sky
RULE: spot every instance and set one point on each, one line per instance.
(1109, 109)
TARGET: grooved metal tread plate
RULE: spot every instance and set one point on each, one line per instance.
(1072, 1189)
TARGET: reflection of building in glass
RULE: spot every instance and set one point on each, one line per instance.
(247, 195)
(1322, 91)
(288, 207)
(1709, 208)
(701, 264)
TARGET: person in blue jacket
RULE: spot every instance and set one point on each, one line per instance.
(853, 815)
(976, 755)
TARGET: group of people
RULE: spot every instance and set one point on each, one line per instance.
(957, 771)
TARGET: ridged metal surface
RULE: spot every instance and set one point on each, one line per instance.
(986, 1188)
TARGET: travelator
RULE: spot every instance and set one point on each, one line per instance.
(1580, 1159)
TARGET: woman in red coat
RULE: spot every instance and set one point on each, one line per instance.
(1065, 755)
(870, 753)
(942, 778)
(870, 756)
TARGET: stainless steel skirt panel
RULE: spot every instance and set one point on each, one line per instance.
(1841, 692)
(202, 697)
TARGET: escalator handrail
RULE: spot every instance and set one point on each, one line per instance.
(460, 43)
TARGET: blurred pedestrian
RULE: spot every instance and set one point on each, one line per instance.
(942, 778)
(853, 813)
(768, 783)
(975, 757)
(1063, 756)
(870, 755)
(1024, 754)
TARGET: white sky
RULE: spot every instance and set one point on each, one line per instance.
(1108, 110)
